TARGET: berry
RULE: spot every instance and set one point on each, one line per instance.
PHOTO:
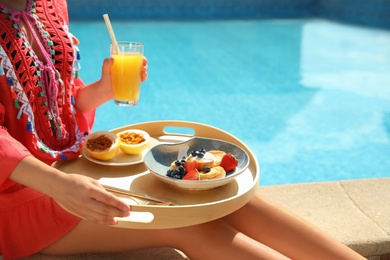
(190, 166)
(229, 162)
(198, 153)
(192, 175)
(169, 173)
(177, 163)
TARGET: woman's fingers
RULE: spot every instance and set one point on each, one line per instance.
(144, 76)
(112, 205)
(86, 198)
(144, 70)
(106, 205)
(106, 68)
(98, 211)
(102, 213)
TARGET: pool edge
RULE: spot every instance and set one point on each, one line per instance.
(353, 211)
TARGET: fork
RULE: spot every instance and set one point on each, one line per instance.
(137, 196)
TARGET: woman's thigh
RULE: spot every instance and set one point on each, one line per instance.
(211, 240)
(88, 237)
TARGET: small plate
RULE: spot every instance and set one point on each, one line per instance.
(159, 158)
(123, 159)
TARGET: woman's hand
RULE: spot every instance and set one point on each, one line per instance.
(86, 198)
(106, 81)
(144, 70)
(101, 90)
(81, 195)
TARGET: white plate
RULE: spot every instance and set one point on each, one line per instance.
(123, 159)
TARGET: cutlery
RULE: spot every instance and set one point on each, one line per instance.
(150, 200)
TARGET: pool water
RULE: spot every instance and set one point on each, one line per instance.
(311, 98)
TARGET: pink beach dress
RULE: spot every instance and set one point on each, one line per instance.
(37, 117)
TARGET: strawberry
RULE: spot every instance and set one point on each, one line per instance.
(192, 175)
(190, 166)
(229, 162)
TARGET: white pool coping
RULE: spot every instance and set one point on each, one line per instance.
(357, 212)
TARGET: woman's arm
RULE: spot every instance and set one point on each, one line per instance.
(81, 195)
(97, 93)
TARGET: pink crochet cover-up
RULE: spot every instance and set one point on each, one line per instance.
(38, 117)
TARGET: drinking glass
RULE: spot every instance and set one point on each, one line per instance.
(126, 72)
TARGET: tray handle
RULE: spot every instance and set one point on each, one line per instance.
(181, 128)
(139, 217)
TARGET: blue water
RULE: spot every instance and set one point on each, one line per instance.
(311, 98)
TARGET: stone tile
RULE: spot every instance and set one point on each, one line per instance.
(372, 196)
(328, 206)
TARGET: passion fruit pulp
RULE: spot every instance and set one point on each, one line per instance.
(133, 141)
(102, 145)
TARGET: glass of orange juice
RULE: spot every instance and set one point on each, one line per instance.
(126, 72)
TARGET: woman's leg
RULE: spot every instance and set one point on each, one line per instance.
(211, 240)
(286, 233)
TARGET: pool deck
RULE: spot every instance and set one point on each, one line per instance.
(357, 212)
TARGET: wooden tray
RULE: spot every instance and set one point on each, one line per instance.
(192, 207)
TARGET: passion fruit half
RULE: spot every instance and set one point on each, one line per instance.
(133, 141)
(102, 145)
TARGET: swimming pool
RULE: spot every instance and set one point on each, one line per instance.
(310, 97)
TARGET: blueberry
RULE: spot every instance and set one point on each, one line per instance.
(177, 163)
(207, 169)
(177, 176)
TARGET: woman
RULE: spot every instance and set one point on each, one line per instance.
(45, 112)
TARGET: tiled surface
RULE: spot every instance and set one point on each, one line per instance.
(372, 197)
(147, 254)
(355, 212)
(190, 9)
(364, 12)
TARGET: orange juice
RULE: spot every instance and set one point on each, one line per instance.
(126, 72)
(126, 77)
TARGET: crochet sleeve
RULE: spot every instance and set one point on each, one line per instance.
(85, 120)
(11, 153)
(62, 10)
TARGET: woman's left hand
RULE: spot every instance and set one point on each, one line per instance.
(105, 79)
(86, 198)
(101, 90)
(144, 70)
